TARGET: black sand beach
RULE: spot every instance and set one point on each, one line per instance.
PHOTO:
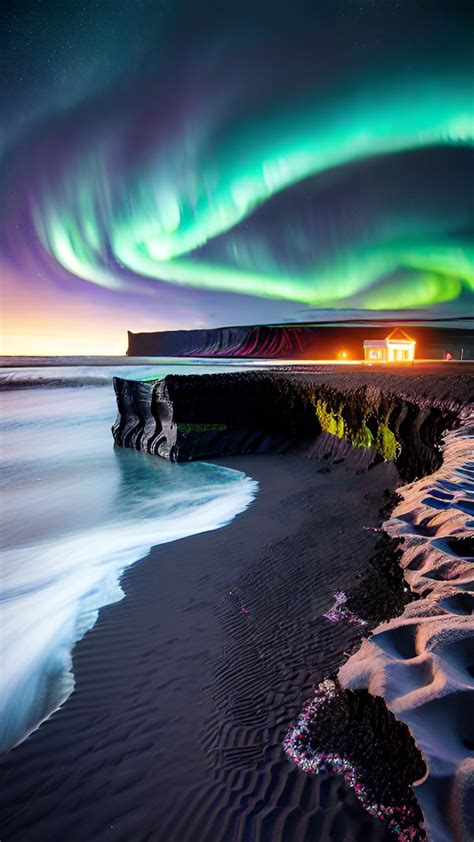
(186, 688)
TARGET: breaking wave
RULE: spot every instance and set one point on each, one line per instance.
(77, 512)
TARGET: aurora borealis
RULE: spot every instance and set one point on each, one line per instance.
(178, 164)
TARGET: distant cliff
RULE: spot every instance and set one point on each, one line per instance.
(254, 341)
(295, 341)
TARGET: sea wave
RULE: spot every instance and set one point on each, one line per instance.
(76, 514)
(15, 374)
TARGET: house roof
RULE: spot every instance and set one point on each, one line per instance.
(399, 335)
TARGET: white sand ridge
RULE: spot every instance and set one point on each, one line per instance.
(422, 662)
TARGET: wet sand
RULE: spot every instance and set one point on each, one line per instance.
(186, 688)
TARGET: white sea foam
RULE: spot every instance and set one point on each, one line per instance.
(14, 373)
(76, 513)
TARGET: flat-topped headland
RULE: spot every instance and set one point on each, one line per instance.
(321, 340)
(394, 415)
(420, 663)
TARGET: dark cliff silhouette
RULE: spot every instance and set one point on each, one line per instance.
(299, 341)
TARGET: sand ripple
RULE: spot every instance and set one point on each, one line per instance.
(185, 689)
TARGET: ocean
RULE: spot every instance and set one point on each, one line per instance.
(76, 512)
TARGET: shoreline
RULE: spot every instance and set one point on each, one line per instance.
(176, 725)
(268, 582)
(44, 374)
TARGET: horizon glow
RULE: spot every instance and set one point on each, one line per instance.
(223, 173)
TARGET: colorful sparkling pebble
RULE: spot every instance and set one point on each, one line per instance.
(402, 824)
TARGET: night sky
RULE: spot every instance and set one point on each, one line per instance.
(185, 164)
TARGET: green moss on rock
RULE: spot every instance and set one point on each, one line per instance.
(359, 434)
(362, 437)
(386, 444)
(331, 422)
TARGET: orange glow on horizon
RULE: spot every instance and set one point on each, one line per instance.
(61, 346)
(42, 334)
(38, 319)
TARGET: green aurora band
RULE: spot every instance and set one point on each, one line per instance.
(153, 219)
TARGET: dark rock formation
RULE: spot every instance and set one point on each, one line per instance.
(296, 341)
(359, 726)
(183, 418)
(384, 578)
(201, 416)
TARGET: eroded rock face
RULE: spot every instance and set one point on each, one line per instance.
(190, 417)
(145, 417)
(194, 417)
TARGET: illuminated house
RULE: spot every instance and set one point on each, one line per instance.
(398, 347)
